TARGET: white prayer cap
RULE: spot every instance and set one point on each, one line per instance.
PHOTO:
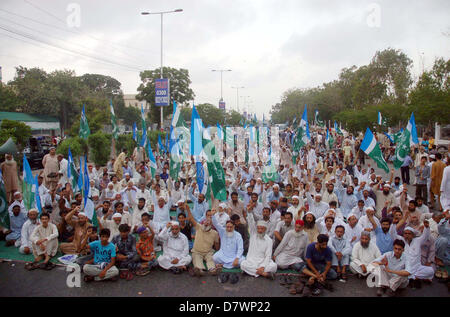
(387, 185)
(353, 215)
(276, 186)
(295, 197)
(33, 209)
(379, 176)
(318, 194)
(174, 223)
(332, 178)
(181, 201)
(309, 213)
(410, 229)
(17, 193)
(110, 184)
(83, 214)
(261, 223)
(223, 205)
(127, 174)
(117, 215)
(259, 179)
(161, 197)
(433, 156)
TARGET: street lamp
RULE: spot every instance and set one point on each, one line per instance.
(221, 74)
(237, 95)
(161, 13)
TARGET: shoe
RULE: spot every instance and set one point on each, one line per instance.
(31, 266)
(297, 288)
(197, 272)
(306, 292)
(130, 275)
(223, 277)
(390, 293)
(175, 270)
(157, 248)
(438, 274)
(191, 271)
(380, 291)
(142, 272)
(234, 278)
(9, 243)
(316, 291)
(328, 286)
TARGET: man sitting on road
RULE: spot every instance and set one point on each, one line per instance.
(27, 229)
(364, 252)
(175, 255)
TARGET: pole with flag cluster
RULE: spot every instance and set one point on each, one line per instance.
(303, 136)
(371, 147)
(404, 142)
(84, 126)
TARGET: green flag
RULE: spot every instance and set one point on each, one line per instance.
(269, 173)
(4, 215)
(402, 148)
(84, 126)
(371, 147)
(215, 170)
(397, 136)
(317, 119)
(115, 129)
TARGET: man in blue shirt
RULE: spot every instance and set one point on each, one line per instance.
(104, 260)
(200, 205)
(385, 235)
(318, 258)
(405, 169)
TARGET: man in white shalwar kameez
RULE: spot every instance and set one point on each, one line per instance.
(364, 252)
(445, 188)
(259, 256)
(175, 255)
(27, 229)
(231, 245)
(44, 241)
(291, 250)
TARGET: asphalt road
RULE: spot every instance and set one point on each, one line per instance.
(16, 281)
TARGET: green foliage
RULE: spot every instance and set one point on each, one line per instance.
(125, 141)
(78, 147)
(232, 118)
(9, 101)
(19, 131)
(179, 89)
(153, 137)
(100, 145)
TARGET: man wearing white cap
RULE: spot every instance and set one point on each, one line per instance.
(353, 229)
(80, 237)
(161, 214)
(259, 257)
(221, 216)
(317, 206)
(113, 224)
(329, 194)
(366, 223)
(364, 253)
(384, 198)
(413, 245)
(27, 229)
(175, 255)
(295, 207)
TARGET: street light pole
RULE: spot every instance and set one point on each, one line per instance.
(237, 95)
(161, 14)
(221, 80)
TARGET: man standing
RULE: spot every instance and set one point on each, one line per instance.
(422, 175)
(118, 164)
(63, 170)
(407, 163)
(51, 169)
(437, 172)
(259, 257)
(175, 255)
(9, 172)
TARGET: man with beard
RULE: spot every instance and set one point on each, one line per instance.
(231, 245)
(317, 206)
(341, 250)
(80, 227)
(311, 228)
(205, 239)
(347, 200)
(51, 169)
(242, 229)
(364, 252)
(384, 199)
(27, 229)
(237, 207)
(291, 250)
(259, 257)
(353, 229)
(296, 207)
(413, 249)
(385, 234)
(138, 211)
(267, 219)
(329, 194)
(17, 218)
(390, 270)
(175, 255)
(255, 207)
(200, 205)
(9, 174)
(161, 214)
(282, 227)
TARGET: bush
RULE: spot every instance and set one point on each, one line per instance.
(100, 145)
(78, 147)
(125, 141)
(153, 137)
(19, 131)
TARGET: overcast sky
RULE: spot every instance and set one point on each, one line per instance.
(270, 45)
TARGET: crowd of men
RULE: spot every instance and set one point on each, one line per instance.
(326, 216)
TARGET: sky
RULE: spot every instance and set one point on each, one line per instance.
(270, 45)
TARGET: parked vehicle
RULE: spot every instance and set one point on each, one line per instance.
(35, 150)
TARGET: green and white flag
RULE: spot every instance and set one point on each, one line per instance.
(336, 128)
(215, 170)
(115, 129)
(371, 147)
(4, 215)
(269, 172)
(402, 148)
(84, 126)
(303, 137)
(317, 120)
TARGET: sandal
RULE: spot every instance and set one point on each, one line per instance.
(31, 266)
(438, 274)
(123, 274)
(142, 272)
(130, 275)
(49, 266)
(444, 274)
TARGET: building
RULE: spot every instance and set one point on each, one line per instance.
(131, 101)
(39, 124)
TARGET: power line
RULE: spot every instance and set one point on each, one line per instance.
(58, 38)
(32, 37)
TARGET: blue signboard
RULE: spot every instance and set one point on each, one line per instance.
(162, 92)
(222, 105)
